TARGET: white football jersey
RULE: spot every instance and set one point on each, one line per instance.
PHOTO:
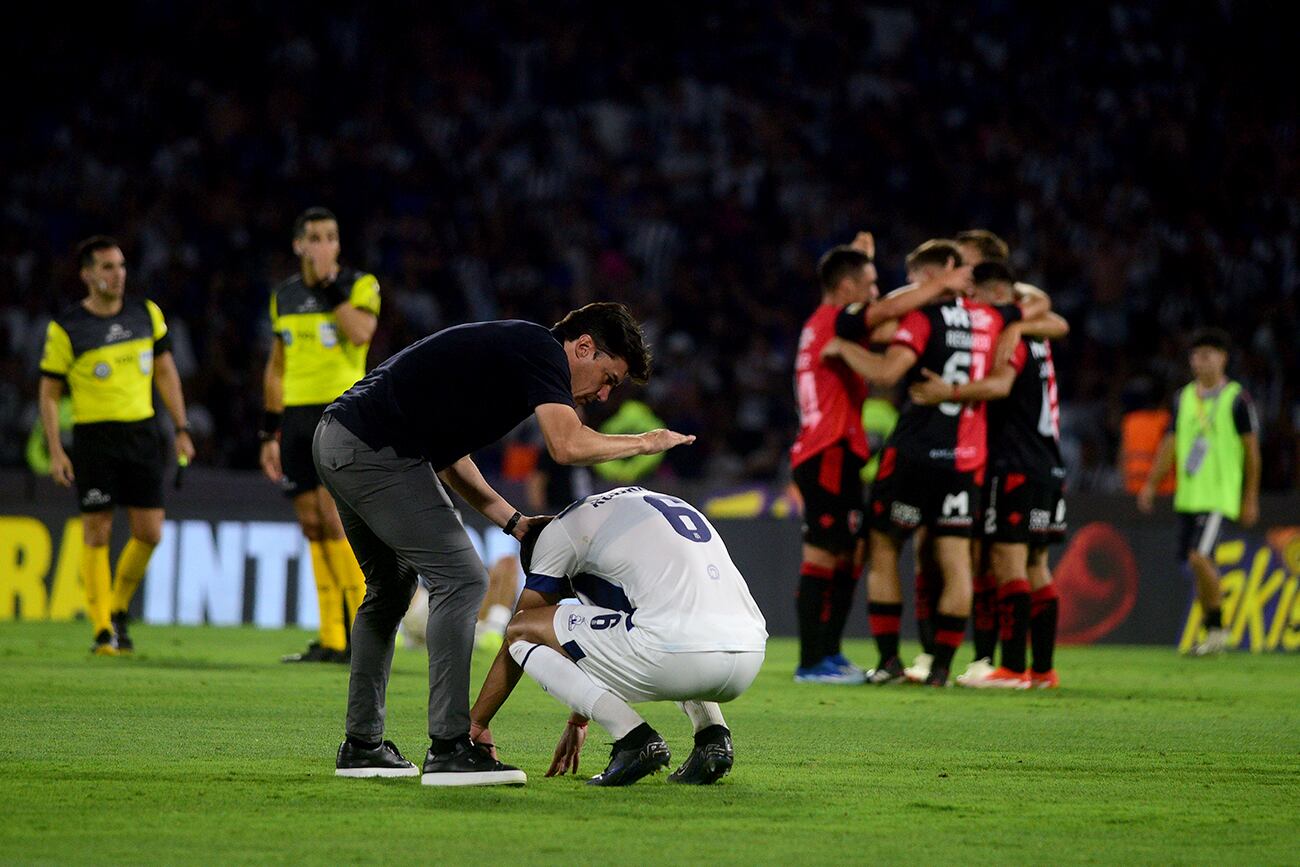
(635, 550)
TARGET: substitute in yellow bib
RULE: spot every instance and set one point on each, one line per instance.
(322, 320)
(1214, 446)
(109, 352)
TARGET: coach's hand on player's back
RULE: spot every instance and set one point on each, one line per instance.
(61, 469)
(662, 440)
(270, 460)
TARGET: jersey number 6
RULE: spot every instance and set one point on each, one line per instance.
(684, 520)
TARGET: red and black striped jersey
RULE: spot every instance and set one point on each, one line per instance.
(829, 395)
(955, 339)
(1025, 427)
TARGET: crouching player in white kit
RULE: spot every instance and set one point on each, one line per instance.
(665, 616)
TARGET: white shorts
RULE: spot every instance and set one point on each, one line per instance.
(603, 645)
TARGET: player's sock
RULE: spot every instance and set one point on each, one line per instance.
(949, 630)
(703, 714)
(844, 584)
(984, 614)
(98, 581)
(885, 618)
(812, 604)
(347, 575)
(562, 678)
(1214, 618)
(1013, 621)
(1044, 607)
(924, 595)
(333, 631)
(131, 566)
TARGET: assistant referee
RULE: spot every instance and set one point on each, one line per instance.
(110, 352)
(323, 319)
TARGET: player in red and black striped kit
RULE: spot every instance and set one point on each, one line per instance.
(1024, 498)
(933, 465)
(831, 448)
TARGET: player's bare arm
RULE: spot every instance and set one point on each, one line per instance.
(933, 389)
(273, 405)
(168, 380)
(1164, 463)
(465, 479)
(884, 370)
(572, 443)
(1250, 480)
(51, 391)
(358, 326)
(1047, 326)
(953, 278)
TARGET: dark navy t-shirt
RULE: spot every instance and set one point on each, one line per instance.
(456, 391)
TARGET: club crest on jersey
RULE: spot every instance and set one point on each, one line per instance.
(576, 620)
(117, 333)
(102, 370)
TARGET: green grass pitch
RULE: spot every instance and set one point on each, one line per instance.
(204, 748)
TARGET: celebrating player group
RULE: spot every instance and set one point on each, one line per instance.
(972, 472)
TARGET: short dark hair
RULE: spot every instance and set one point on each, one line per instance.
(838, 263)
(1216, 338)
(989, 244)
(87, 249)
(615, 331)
(993, 269)
(936, 251)
(529, 543)
(311, 215)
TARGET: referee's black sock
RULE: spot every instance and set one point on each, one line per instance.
(1214, 618)
(813, 607)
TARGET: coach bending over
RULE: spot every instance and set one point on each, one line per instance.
(382, 448)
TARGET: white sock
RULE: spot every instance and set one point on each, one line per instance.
(574, 687)
(703, 714)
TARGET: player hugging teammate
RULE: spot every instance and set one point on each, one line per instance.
(934, 471)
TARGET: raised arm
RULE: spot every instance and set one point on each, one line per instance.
(572, 443)
(916, 295)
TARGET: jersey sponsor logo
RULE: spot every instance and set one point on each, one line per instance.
(955, 316)
(117, 333)
(103, 370)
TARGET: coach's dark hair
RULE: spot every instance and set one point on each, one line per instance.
(989, 244)
(993, 270)
(838, 263)
(87, 249)
(615, 331)
(529, 542)
(936, 251)
(311, 215)
(1215, 338)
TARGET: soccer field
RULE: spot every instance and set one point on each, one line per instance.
(204, 748)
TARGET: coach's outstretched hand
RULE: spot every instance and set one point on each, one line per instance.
(569, 748)
(662, 440)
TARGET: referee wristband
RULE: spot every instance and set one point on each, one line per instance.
(509, 528)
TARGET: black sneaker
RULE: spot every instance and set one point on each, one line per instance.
(103, 645)
(637, 754)
(120, 636)
(315, 653)
(468, 764)
(354, 760)
(890, 671)
(709, 762)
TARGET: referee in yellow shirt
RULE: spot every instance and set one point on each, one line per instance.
(322, 319)
(109, 352)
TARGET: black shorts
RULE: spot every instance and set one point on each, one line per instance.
(1025, 508)
(830, 483)
(296, 432)
(1199, 531)
(119, 463)
(910, 493)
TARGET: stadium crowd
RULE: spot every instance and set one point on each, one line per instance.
(515, 160)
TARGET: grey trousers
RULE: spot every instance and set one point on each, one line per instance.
(401, 523)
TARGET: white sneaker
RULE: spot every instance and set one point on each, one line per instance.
(1216, 641)
(919, 670)
(976, 672)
